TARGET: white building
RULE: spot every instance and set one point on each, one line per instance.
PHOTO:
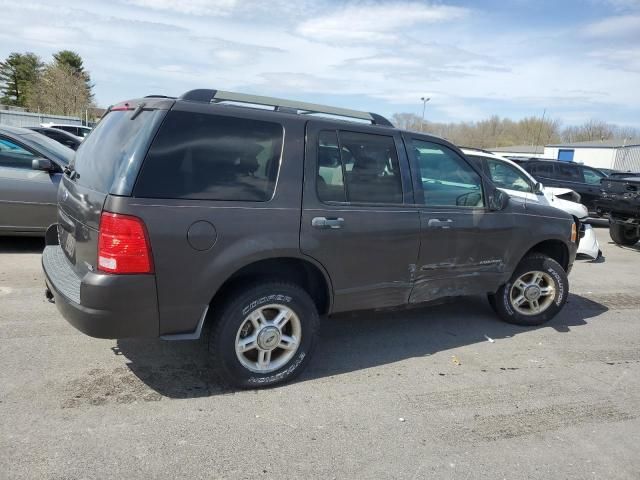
(519, 151)
(612, 154)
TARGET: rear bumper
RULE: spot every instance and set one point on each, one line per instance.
(101, 305)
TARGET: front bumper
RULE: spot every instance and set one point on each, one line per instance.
(101, 305)
(588, 242)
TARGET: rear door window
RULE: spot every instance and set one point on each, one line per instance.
(568, 172)
(358, 168)
(212, 157)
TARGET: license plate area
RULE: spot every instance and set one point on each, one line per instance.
(66, 238)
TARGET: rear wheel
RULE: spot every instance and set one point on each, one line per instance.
(264, 335)
(623, 234)
(535, 293)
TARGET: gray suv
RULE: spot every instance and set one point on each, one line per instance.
(260, 215)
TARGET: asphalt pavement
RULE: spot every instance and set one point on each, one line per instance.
(441, 392)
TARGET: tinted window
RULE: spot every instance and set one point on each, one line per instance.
(542, 170)
(507, 176)
(371, 168)
(117, 145)
(592, 176)
(447, 180)
(330, 182)
(568, 172)
(211, 157)
(368, 162)
(13, 155)
(48, 147)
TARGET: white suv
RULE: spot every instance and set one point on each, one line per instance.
(517, 182)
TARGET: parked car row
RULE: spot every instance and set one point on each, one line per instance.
(582, 179)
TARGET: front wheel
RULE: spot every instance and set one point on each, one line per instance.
(623, 234)
(536, 292)
(264, 335)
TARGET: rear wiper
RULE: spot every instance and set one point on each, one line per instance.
(138, 110)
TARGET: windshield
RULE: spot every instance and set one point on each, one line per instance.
(49, 147)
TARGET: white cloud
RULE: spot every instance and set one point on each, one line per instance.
(375, 22)
(195, 7)
(298, 50)
(617, 27)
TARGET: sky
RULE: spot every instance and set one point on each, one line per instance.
(578, 59)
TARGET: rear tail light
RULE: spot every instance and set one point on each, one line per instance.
(123, 245)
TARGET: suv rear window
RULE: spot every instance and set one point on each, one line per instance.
(108, 159)
(212, 157)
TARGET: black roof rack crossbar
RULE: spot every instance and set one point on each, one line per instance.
(283, 105)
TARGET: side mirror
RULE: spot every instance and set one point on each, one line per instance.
(538, 187)
(42, 164)
(498, 200)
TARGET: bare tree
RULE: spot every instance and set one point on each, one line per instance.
(60, 91)
(492, 132)
(597, 130)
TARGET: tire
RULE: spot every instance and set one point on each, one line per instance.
(550, 273)
(248, 320)
(623, 235)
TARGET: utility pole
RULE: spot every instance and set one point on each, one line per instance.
(424, 106)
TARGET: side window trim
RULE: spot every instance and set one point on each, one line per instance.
(345, 184)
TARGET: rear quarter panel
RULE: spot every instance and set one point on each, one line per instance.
(245, 232)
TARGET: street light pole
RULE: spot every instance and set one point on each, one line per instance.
(424, 106)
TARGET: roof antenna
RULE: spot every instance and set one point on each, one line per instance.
(540, 131)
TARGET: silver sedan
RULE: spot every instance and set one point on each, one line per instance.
(31, 166)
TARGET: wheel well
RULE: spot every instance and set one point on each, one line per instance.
(294, 270)
(554, 249)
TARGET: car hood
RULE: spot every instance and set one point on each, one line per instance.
(557, 190)
(575, 209)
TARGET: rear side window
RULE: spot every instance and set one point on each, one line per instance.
(212, 157)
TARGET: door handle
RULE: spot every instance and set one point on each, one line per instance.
(440, 222)
(325, 223)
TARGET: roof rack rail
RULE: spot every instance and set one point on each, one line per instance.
(281, 105)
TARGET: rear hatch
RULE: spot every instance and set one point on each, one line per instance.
(106, 163)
